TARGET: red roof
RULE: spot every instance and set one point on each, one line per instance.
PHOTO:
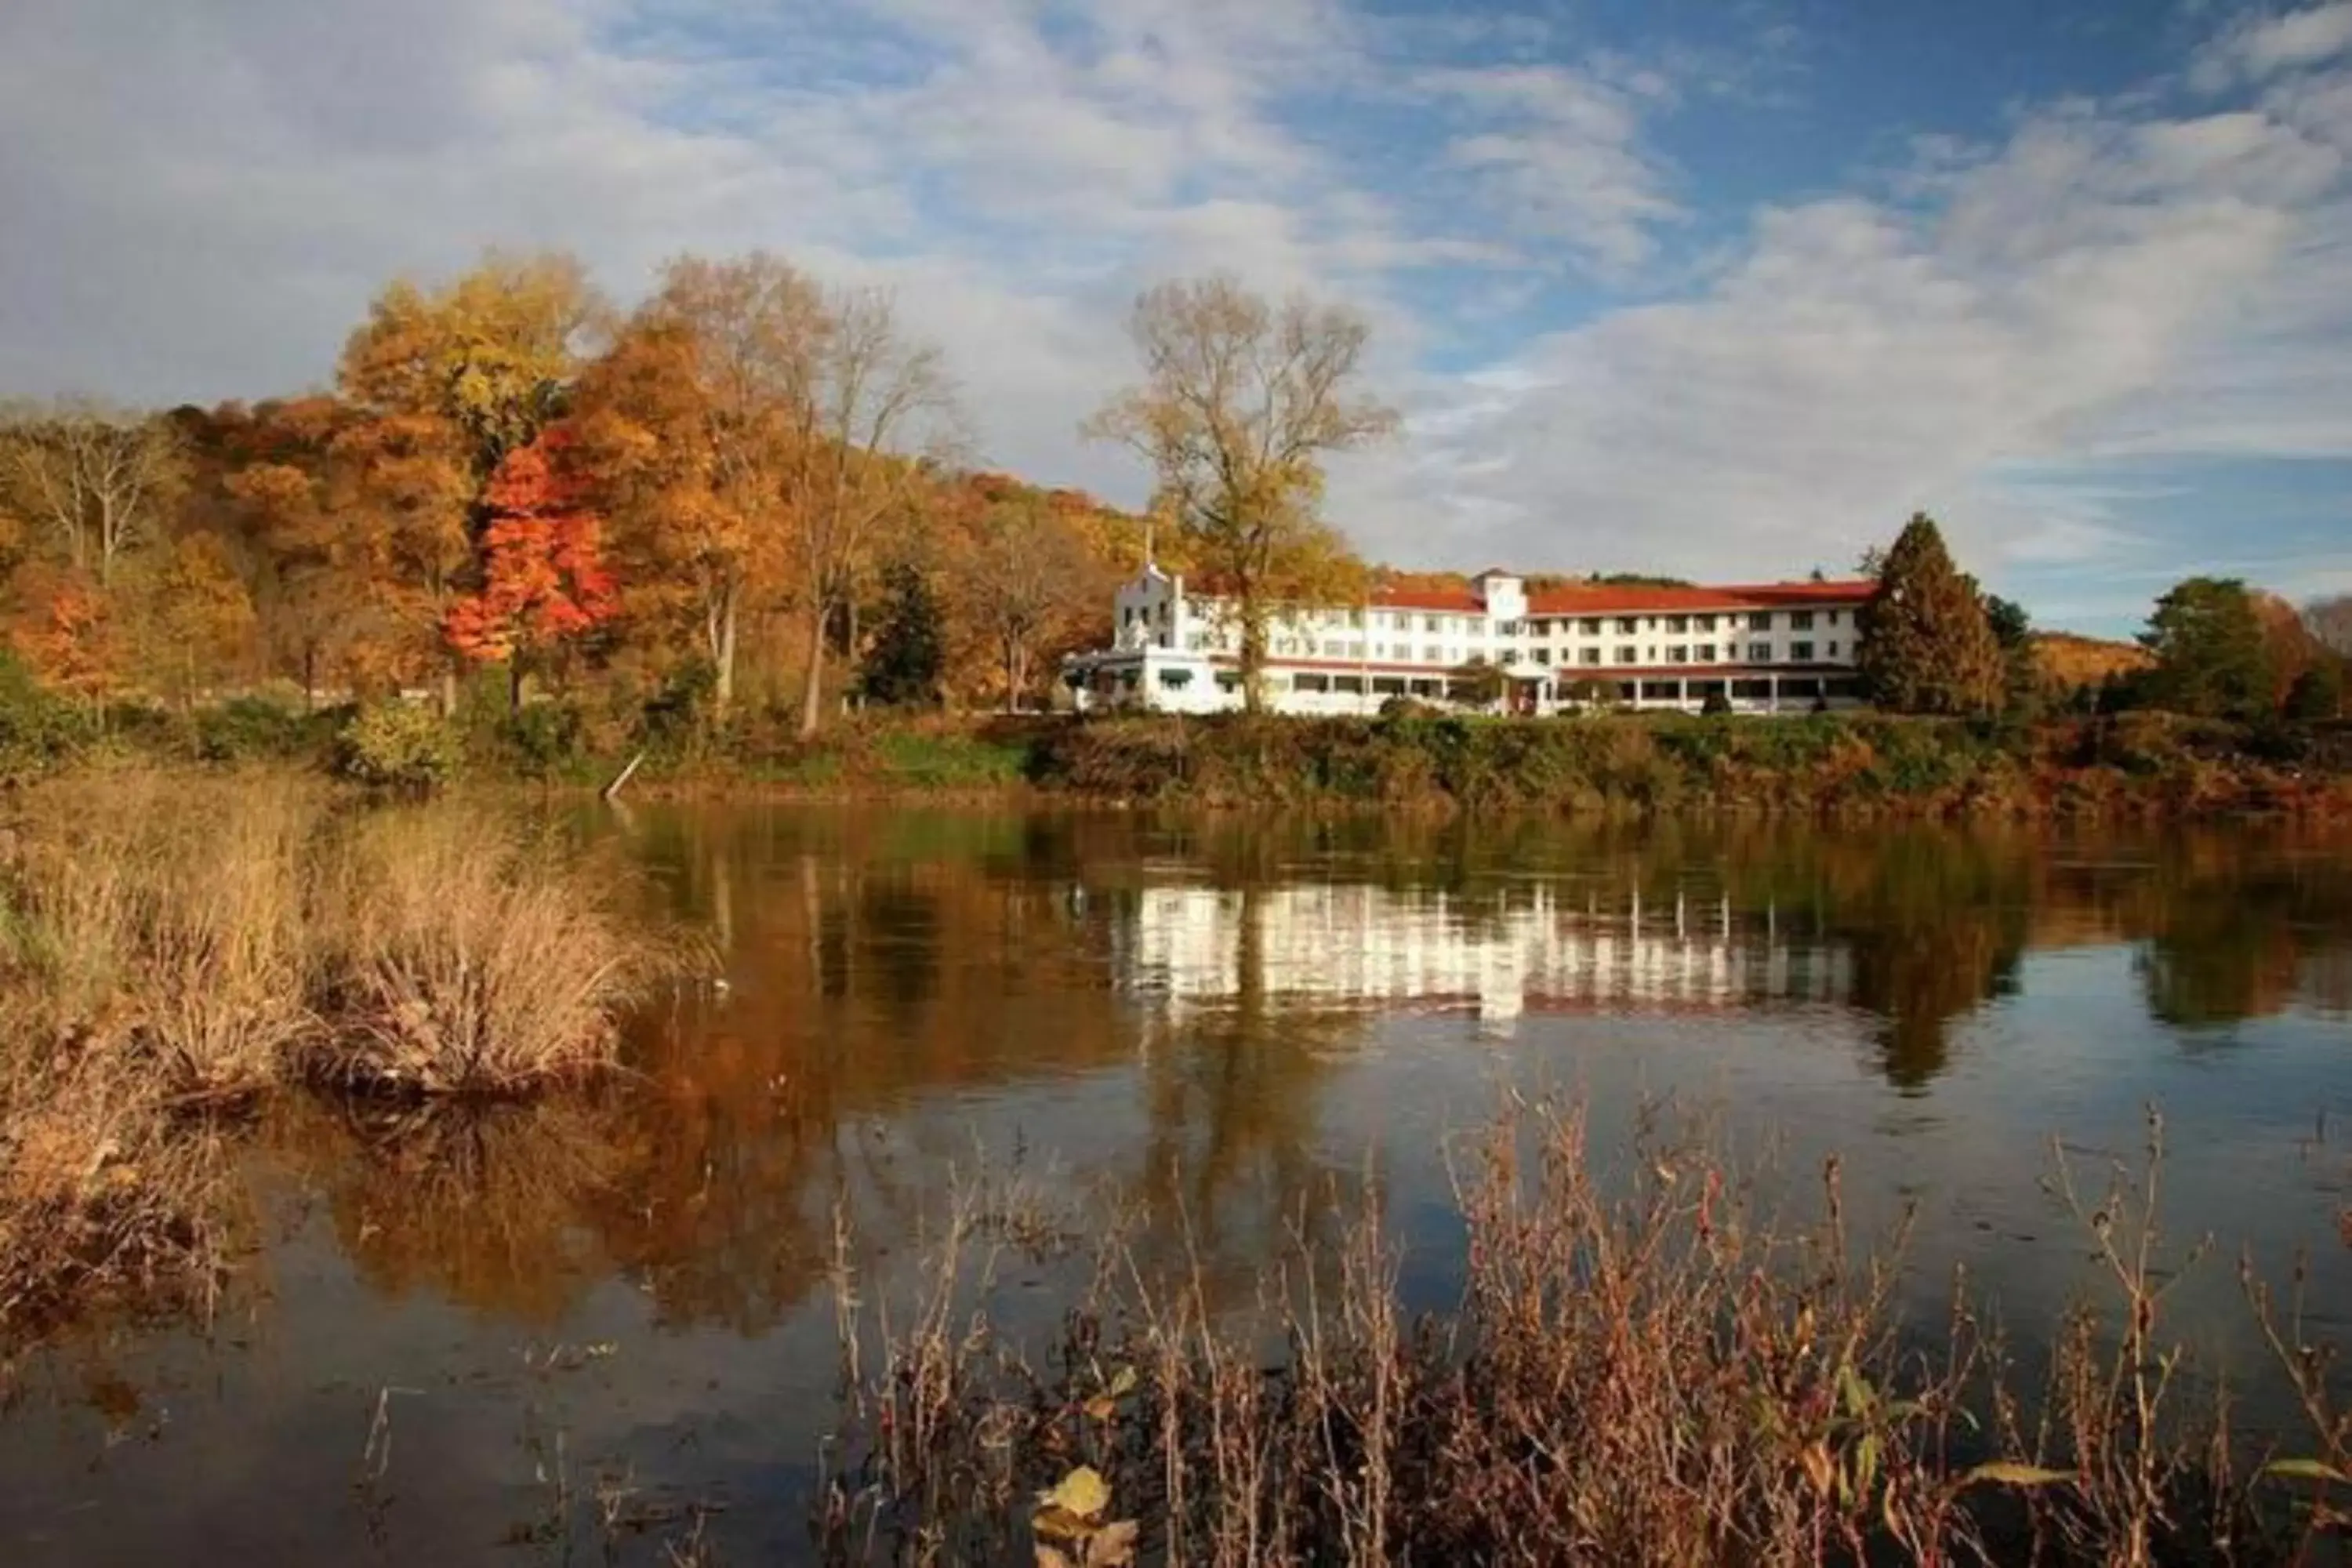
(1461, 601)
(1602, 599)
(1607, 599)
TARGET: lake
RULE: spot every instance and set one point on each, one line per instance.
(561, 1330)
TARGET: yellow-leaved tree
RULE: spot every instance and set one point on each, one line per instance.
(443, 383)
(1242, 402)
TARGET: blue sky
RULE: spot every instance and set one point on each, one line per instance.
(1724, 288)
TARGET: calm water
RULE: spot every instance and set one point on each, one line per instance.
(452, 1334)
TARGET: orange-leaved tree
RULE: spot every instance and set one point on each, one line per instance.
(443, 385)
(544, 584)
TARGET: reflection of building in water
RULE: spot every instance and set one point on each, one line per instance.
(1361, 945)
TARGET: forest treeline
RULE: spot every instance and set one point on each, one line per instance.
(719, 488)
(713, 520)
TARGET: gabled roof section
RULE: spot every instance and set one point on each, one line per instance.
(1606, 600)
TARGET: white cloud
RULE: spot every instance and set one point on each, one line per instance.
(2017, 322)
(2098, 289)
(2262, 45)
(1558, 152)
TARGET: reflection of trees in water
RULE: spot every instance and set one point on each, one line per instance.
(1232, 1165)
(2231, 935)
(1938, 923)
(480, 1203)
(875, 965)
(882, 965)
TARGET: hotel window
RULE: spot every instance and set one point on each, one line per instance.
(1356, 620)
(1702, 622)
(1589, 656)
(1590, 625)
(1801, 620)
(1678, 654)
(1677, 623)
(1624, 656)
(1761, 621)
(1834, 652)
(1508, 630)
(1802, 652)
(1431, 654)
(1705, 653)
(1834, 615)
(1759, 653)
(1543, 656)
(1628, 624)
(1429, 623)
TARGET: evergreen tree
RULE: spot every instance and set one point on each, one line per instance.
(2012, 630)
(2212, 655)
(2317, 693)
(903, 667)
(1927, 644)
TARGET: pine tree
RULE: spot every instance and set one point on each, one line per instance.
(1927, 644)
(2212, 655)
(904, 665)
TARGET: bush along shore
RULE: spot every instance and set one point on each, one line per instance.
(1648, 1362)
(173, 948)
(2142, 764)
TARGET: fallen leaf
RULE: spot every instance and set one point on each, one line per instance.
(1061, 1524)
(1081, 1492)
(2306, 1470)
(2000, 1472)
(1113, 1546)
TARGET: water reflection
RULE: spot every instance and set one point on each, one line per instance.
(1241, 1033)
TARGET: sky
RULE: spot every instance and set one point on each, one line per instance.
(1724, 289)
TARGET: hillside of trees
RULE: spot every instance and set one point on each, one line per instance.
(507, 475)
(745, 505)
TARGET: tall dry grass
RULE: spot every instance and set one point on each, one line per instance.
(177, 924)
(169, 947)
(461, 956)
(1642, 1368)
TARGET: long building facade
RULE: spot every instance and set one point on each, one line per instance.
(1771, 647)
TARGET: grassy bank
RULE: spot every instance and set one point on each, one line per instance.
(172, 947)
(1644, 1366)
(2141, 763)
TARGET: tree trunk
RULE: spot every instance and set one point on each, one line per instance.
(514, 685)
(722, 658)
(812, 685)
(1253, 658)
(448, 691)
(310, 679)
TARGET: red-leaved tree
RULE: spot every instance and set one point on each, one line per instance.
(544, 580)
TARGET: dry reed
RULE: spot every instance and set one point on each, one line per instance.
(1642, 1368)
(170, 946)
(463, 959)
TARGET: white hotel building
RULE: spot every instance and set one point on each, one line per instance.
(1764, 648)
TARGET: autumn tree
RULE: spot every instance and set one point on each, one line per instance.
(2330, 623)
(1241, 405)
(97, 481)
(2212, 656)
(285, 499)
(697, 417)
(445, 383)
(189, 617)
(876, 409)
(1927, 645)
(1023, 572)
(69, 631)
(544, 584)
